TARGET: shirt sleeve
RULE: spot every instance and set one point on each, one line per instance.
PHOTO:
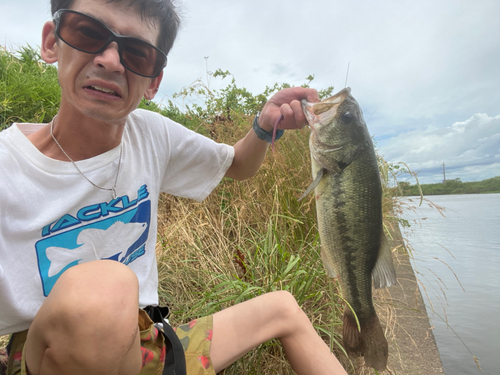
(194, 164)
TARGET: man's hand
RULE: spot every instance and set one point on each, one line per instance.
(287, 103)
(285, 107)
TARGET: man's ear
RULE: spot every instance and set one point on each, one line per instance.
(48, 51)
(153, 87)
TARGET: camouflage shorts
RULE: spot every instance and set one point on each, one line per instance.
(196, 337)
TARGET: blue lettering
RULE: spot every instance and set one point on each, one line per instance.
(65, 222)
(46, 229)
(126, 204)
(106, 208)
(136, 254)
(142, 193)
(84, 213)
(95, 211)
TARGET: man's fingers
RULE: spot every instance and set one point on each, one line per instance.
(287, 103)
(312, 96)
(288, 121)
(300, 118)
(293, 116)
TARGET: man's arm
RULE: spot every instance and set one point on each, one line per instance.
(250, 151)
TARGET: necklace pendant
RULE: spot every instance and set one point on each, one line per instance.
(113, 193)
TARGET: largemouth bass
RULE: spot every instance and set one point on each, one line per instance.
(348, 196)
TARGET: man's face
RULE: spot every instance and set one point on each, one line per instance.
(99, 86)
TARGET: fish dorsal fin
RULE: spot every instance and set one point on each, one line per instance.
(314, 183)
(384, 274)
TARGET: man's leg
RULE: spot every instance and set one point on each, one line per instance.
(242, 327)
(88, 324)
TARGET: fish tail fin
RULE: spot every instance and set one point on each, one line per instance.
(351, 335)
(370, 342)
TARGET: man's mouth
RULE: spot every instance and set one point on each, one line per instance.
(103, 89)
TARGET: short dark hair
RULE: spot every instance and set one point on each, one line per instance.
(160, 12)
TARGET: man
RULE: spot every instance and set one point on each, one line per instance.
(79, 198)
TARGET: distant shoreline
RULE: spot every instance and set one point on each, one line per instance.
(452, 187)
(487, 192)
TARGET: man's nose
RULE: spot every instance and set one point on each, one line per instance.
(109, 59)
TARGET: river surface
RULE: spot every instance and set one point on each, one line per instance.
(465, 245)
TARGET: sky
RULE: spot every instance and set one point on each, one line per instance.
(426, 73)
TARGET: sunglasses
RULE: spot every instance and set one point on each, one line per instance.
(89, 35)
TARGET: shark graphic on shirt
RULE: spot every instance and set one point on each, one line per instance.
(96, 244)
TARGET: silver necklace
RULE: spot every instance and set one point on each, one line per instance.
(111, 189)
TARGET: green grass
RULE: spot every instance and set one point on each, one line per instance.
(29, 90)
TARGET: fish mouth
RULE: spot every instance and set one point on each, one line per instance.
(317, 113)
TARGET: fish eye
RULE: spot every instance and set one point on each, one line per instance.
(347, 118)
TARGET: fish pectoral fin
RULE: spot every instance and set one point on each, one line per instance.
(384, 274)
(313, 184)
(328, 264)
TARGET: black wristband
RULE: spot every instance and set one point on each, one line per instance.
(265, 135)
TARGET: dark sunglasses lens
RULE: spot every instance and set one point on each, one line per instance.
(142, 58)
(86, 34)
(82, 32)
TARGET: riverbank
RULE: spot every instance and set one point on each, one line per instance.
(412, 345)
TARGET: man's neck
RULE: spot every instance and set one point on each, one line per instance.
(81, 137)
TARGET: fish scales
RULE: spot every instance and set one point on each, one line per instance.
(348, 197)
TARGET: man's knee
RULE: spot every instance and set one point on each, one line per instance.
(96, 294)
(285, 301)
(92, 306)
(287, 311)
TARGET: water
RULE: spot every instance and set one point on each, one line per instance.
(471, 233)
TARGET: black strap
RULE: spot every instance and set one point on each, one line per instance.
(175, 360)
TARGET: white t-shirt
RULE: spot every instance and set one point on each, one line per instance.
(52, 218)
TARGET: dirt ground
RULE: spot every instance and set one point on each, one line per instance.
(412, 346)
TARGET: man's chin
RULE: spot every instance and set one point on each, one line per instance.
(106, 115)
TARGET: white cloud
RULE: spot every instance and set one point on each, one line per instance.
(466, 147)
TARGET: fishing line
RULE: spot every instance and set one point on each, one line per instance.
(367, 121)
(347, 75)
